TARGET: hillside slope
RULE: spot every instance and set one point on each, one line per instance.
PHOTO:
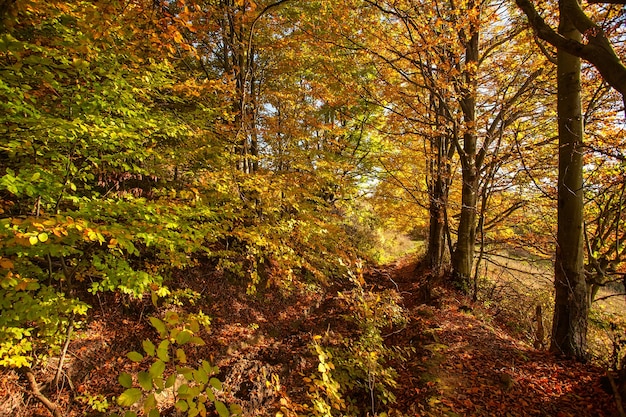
(460, 363)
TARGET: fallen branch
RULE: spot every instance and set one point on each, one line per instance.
(34, 387)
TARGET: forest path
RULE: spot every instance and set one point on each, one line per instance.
(466, 365)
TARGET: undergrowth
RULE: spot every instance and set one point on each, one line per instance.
(353, 375)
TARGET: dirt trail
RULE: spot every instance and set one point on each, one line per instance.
(465, 365)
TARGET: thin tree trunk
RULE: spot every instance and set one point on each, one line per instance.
(436, 236)
(438, 194)
(463, 258)
(440, 174)
(569, 330)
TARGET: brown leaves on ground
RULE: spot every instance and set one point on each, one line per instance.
(467, 366)
(463, 363)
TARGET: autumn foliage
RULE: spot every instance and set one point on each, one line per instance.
(153, 149)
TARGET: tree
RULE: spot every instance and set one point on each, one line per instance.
(83, 206)
(571, 298)
(436, 76)
(569, 330)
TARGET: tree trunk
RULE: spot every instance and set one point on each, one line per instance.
(569, 330)
(463, 258)
(436, 233)
(440, 174)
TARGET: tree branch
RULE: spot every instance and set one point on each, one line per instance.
(598, 49)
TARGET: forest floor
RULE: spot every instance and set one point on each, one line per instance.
(463, 363)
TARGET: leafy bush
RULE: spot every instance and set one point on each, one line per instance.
(353, 368)
(169, 372)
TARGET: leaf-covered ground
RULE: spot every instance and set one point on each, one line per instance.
(467, 366)
(463, 364)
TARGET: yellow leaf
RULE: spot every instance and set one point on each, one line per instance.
(42, 237)
(33, 240)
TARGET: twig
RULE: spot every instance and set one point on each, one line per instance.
(394, 332)
(68, 335)
(609, 296)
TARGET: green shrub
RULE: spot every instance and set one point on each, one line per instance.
(167, 370)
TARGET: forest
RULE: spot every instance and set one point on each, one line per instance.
(312, 208)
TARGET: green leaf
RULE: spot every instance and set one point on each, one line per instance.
(197, 341)
(221, 409)
(130, 414)
(129, 397)
(194, 326)
(186, 372)
(157, 369)
(171, 380)
(181, 405)
(183, 389)
(148, 347)
(208, 368)
(216, 383)
(200, 376)
(158, 382)
(210, 394)
(125, 380)
(235, 409)
(183, 337)
(162, 351)
(135, 356)
(181, 356)
(145, 380)
(149, 404)
(159, 326)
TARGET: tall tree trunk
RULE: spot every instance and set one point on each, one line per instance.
(569, 330)
(463, 257)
